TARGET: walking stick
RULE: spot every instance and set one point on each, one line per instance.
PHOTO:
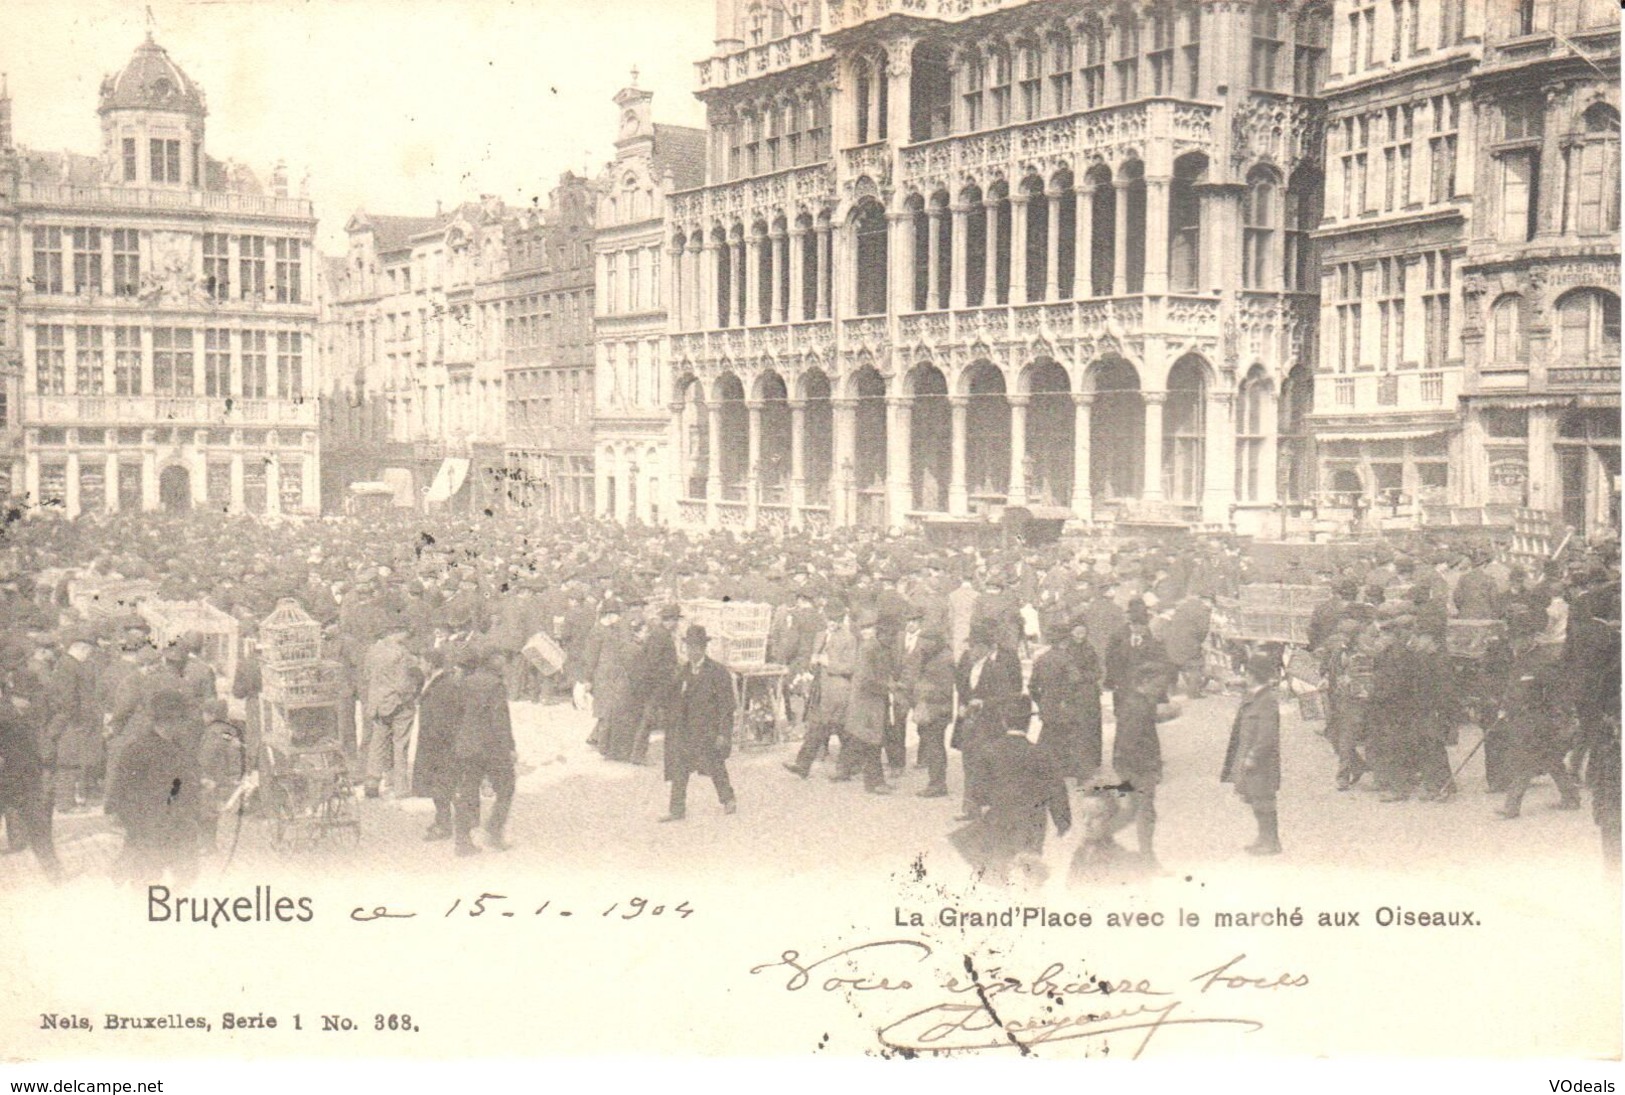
(1482, 735)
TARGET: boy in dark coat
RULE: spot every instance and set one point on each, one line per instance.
(1252, 762)
(434, 773)
(1137, 757)
(700, 735)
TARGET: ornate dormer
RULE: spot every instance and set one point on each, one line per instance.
(636, 123)
(152, 122)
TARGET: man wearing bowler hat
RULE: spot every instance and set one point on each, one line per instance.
(700, 734)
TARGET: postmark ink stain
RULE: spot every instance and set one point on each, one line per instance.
(987, 1005)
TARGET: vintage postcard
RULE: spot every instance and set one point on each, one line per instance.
(893, 529)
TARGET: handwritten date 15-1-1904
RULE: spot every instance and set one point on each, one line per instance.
(994, 1008)
(501, 905)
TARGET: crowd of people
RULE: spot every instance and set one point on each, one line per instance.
(1002, 655)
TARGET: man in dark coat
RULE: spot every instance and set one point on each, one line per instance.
(1252, 762)
(1131, 648)
(1021, 792)
(24, 798)
(156, 796)
(484, 749)
(931, 699)
(1536, 714)
(988, 675)
(655, 674)
(867, 710)
(434, 772)
(1137, 758)
(1066, 686)
(699, 737)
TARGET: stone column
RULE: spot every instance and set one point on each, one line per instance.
(990, 239)
(1016, 495)
(1120, 258)
(1083, 503)
(238, 492)
(777, 286)
(31, 476)
(1156, 234)
(957, 260)
(70, 489)
(798, 288)
(798, 460)
(1018, 248)
(713, 469)
(1219, 459)
(900, 256)
(110, 478)
(751, 313)
(273, 482)
(842, 457)
(899, 474)
(743, 280)
(822, 288)
(958, 496)
(933, 258)
(1152, 491)
(149, 474)
(1083, 247)
(601, 480)
(676, 295)
(1052, 250)
(753, 461)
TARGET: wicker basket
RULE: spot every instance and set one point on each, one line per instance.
(289, 636)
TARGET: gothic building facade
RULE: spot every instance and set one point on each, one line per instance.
(1043, 254)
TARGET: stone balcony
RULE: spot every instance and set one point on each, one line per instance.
(145, 410)
(1111, 133)
(762, 59)
(781, 190)
(765, 344)
(78, 198)
(842, 15)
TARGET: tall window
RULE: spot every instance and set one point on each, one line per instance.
(216, 266)
(612, 278)
(127, 360)
(171, 361)
(634, 286)
(1190, 47)
(254, 365)
(870, 226)
(50, 359)
(47, 260)
(1060, 67)
(999, 94)
(1405, 19)
(1396, 159)
(87, 260)
(90, 361)
(1533, 16)
(1161, 56)
(1436, 308)
(1258, 234)
(1301, 259)
(130, 169)
(1348, 284)
(1356, 139)
(288, 271)
(290, 365)
(1442, 148)
(1520, 188)
(1507, 342)
(655, 293)
(1093, 75)
(217, 363)
(1362, 36)
(165, 160)
(1267, 44)
(1309, 50)
(1591, 206)
(1250, 437)
(1391, 313)
(1032, 81)
(251, 267)
(1588, 327)
(1127, 66)
(126, 262)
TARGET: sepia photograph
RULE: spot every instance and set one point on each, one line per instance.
(855, 530)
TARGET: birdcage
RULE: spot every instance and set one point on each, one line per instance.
(172, 621)
(738, 629)
(302, 684)
(289, 636)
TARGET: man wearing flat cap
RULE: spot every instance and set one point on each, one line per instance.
(699, 737)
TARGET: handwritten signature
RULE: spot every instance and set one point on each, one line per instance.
(994, 1009)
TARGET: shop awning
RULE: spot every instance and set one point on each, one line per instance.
(448, 480)
(1381, 435)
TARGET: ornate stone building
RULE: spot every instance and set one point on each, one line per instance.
(629, 420)
(1540, 279)
(165, 307)
(1470, 316)
(547, 296)
(1044, 254)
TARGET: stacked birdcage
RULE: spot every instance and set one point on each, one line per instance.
(173, 621)
(294, 676)
(738, 629)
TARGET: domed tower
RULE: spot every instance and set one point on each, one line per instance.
(152, 122)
